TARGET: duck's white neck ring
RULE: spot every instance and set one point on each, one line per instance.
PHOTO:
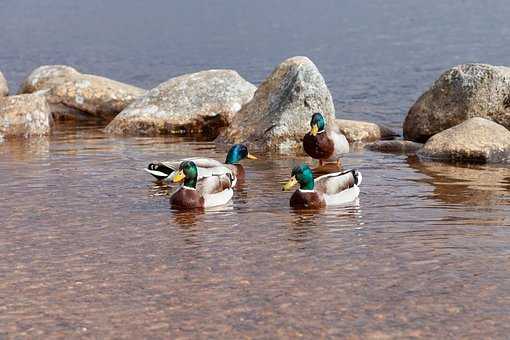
(188, 188)
(304, 190)
(321, 131)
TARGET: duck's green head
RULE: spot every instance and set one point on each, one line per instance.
(187, 172)
(317, 123)
(237, 153)
(303, 175)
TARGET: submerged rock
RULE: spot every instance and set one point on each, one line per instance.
(279, 114)
(395, 146)
(463, 92)
(359, 131)
(24, 116)
(73, 94)
(477, 140)
(188, 104)
(4, 89)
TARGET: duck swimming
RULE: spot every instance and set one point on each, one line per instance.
(210, 191)
(331, 189)
(206, 166)
(322, 143)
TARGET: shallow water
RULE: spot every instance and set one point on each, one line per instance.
(90, 247)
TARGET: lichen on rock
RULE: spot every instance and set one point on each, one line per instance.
(197, 103)
(73, 94)
(24, 116)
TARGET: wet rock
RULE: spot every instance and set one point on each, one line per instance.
(463, 92)
(188, 104)
(477, 140)
(359, 131)
(395, 146)
(24, 116)
(4, 89)
(278, 116)
(73, 94)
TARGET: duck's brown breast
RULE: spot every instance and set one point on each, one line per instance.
(318, 147)
(310, 199)
(238, 171)
(186, 199)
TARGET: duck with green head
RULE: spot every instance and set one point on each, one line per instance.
(331, 189)
(196, 193)
(206, 166)
(324, 142)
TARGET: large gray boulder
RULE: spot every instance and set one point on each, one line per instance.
(73, 94)
(278, 116)
(197, 103)
(4, 89)
(463, 92)
(477, 140)
(24, 116)
(360, 131)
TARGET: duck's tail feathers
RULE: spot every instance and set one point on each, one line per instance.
(357, 177)
(158, 170)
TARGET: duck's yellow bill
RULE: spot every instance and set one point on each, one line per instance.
(250, 156)
(179, 176)
(290, 184)
(315, 130)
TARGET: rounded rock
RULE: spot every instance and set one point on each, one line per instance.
(278, 116)
(189, 104)
(461, 93)
(477, 140)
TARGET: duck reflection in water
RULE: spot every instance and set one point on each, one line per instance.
(476, 185)
(305, 223)
(187, 218)
(161, 188)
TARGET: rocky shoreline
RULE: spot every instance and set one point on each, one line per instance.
(464, 117)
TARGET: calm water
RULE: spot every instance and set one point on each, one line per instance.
(90, 247)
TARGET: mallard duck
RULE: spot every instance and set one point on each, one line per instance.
(210, 191)
(206, 166)
(331, 189)
(324, 144)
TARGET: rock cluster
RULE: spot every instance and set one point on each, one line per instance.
(463, 117)
(195, 103)
(72, 94)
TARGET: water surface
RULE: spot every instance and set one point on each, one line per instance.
(89, 246)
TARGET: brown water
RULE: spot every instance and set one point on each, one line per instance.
(90, 247)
